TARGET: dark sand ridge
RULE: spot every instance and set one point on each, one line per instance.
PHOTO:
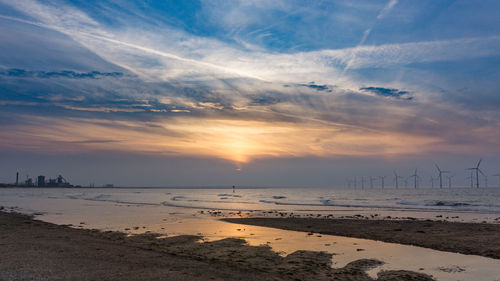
(36, 250)
(481, 239)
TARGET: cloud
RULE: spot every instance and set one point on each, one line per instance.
(264, 100)
(388, 7)
(91, 141)
(157, 55)
(387, 92)
(319, 88)
(234, 140)
(209, 96)
(59, 74)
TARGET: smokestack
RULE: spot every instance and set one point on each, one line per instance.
(17, 178)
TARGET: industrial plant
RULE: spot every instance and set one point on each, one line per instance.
(41, 181)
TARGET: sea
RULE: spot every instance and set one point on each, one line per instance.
(196, 211)
(469, 204)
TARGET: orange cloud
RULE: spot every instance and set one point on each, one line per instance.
(235, 140)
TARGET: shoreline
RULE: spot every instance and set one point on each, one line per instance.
(481, 239)
(37, 250)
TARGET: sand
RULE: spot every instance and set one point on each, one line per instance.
(481, 239)
(37, 250)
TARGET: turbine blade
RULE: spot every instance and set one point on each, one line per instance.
(438, 168)
(479, 163)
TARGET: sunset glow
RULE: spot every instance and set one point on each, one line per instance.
(250, 81)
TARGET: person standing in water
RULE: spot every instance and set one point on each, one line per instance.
(233, 188)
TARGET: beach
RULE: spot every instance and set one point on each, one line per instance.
(466, 238)
(36, 250)
(150, 234)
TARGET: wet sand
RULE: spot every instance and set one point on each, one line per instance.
(37, 250)
(481, 239)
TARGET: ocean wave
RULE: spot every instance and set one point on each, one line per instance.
(229, 195)
(102, 196)
(417, 205)
(181, 198)
(168, 204)
(75, 196)
(435, 203)
(105, 198)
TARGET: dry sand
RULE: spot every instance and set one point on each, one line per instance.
(466, 238)
(36, 250)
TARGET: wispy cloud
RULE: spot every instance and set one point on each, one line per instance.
(192, 94)
(178, 55)
(316, 87)
(385, 92)
(58, 74)
(234, 140)
(387, 9)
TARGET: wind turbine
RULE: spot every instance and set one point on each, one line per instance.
(449, 181)
(432, 182)
(348, 183)
(477, 172)
(415, 177)
(396, 177)
(441, 176)
(362, 182)
(371, 181)
(382, 178)
(471, 180)
(498, 175)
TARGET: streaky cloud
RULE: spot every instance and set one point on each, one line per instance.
(316, 87)
(92, 141)
(387, 92)
(15, 72)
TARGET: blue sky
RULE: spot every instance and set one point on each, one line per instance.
(228, 87)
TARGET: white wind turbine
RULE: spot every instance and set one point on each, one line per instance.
(471, 180)
(440, 175)
(396, 177)
(382, 178)
(449, 181)
(498, 175)
(415, 178)
(371, 181)
(477, 172)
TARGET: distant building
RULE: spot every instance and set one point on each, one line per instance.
(41, 181)
(60, 181)
(28, 182)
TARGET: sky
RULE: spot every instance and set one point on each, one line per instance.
(252, 92)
